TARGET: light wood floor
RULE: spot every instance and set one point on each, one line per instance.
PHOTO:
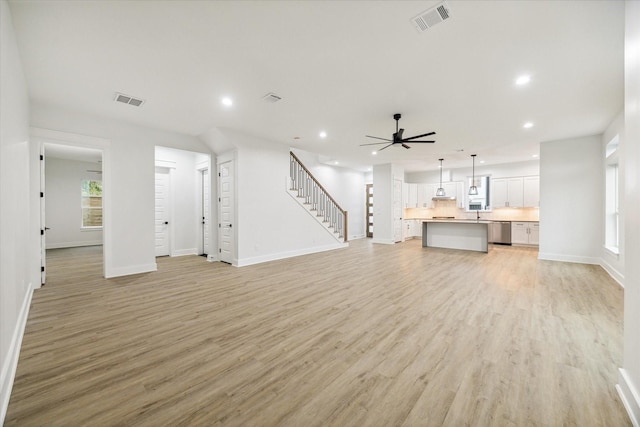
(371, 335)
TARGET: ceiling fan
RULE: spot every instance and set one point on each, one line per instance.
(397, 137)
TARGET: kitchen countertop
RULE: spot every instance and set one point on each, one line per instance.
(459, 221)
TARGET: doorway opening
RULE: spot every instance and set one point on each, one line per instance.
(182, 202)
(71, 209)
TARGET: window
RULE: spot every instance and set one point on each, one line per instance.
(481, 201)
(612, 212)
(91, 203)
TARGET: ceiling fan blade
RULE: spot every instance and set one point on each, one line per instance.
(385, 147)
(416, 142)
(375, 137)
(374, 143)
(405, 146)
(419, 136)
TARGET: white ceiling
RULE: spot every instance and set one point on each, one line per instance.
(340, 66)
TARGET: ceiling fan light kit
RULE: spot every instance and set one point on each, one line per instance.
(397, 137)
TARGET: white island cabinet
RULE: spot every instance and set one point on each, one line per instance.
(457, 234)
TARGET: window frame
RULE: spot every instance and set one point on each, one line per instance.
(83, 197)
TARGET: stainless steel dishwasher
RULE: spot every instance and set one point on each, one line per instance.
(500, 232)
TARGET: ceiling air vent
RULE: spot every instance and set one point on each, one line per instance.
(431, 17)
(271, 97)
(126, 99)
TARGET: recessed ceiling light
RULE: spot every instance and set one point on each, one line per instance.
(535, 155)
(336, 163)
(523, 80)
(323, 134)
(227, 102)
(374, 152)
(481, 161)
(527, 125)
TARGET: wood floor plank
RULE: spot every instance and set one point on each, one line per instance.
(370, 335)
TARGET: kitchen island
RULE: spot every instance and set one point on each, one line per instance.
(469, 235)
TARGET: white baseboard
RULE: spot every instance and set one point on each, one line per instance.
(568, 258)
(383, 241)
(183, 252)
(289, 254)
(615, 274)
(132, 269)
(629, 396)
(62, 245)
(10, 362)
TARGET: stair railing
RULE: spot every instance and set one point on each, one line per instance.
(314, 194)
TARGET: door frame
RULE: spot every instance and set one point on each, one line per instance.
(169, 205)
(40, 137)
(226, 158)
(201, 220)
(368, 213)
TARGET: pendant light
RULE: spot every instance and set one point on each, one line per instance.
(440, 190)
(473, 190)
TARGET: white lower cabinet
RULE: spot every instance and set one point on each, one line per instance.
(525, 233)
(412, 229)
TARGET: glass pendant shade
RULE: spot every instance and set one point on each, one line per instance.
(440, 190)
(473, 190)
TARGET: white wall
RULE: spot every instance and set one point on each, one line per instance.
(18, 270)
(346, 186)
(269, 224)
(130, 175)
(571, 200)
(62, 200)
(629, 383)
(504, 170)
(383, 204)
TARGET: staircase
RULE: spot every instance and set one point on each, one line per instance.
(306, 189)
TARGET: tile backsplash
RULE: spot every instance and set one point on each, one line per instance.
(449, 208)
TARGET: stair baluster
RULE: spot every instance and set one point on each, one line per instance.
(314, 194)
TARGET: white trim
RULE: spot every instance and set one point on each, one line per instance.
(132, 269)
(168, 164)
(42, 136)
(613, 251)
(384, 241)
(615, 274)
(568, 258)
(289, 254)
(183, 252)
(10, 364)
(62, 245)
(629, 396)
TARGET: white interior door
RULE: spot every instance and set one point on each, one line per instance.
(205, 211)
(397, 210)
(226, 214)
(162, 212)
(43, 225)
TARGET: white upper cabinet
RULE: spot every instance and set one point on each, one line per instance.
(425, 194)
(515, 192)
(413, 195)
(532, 191)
